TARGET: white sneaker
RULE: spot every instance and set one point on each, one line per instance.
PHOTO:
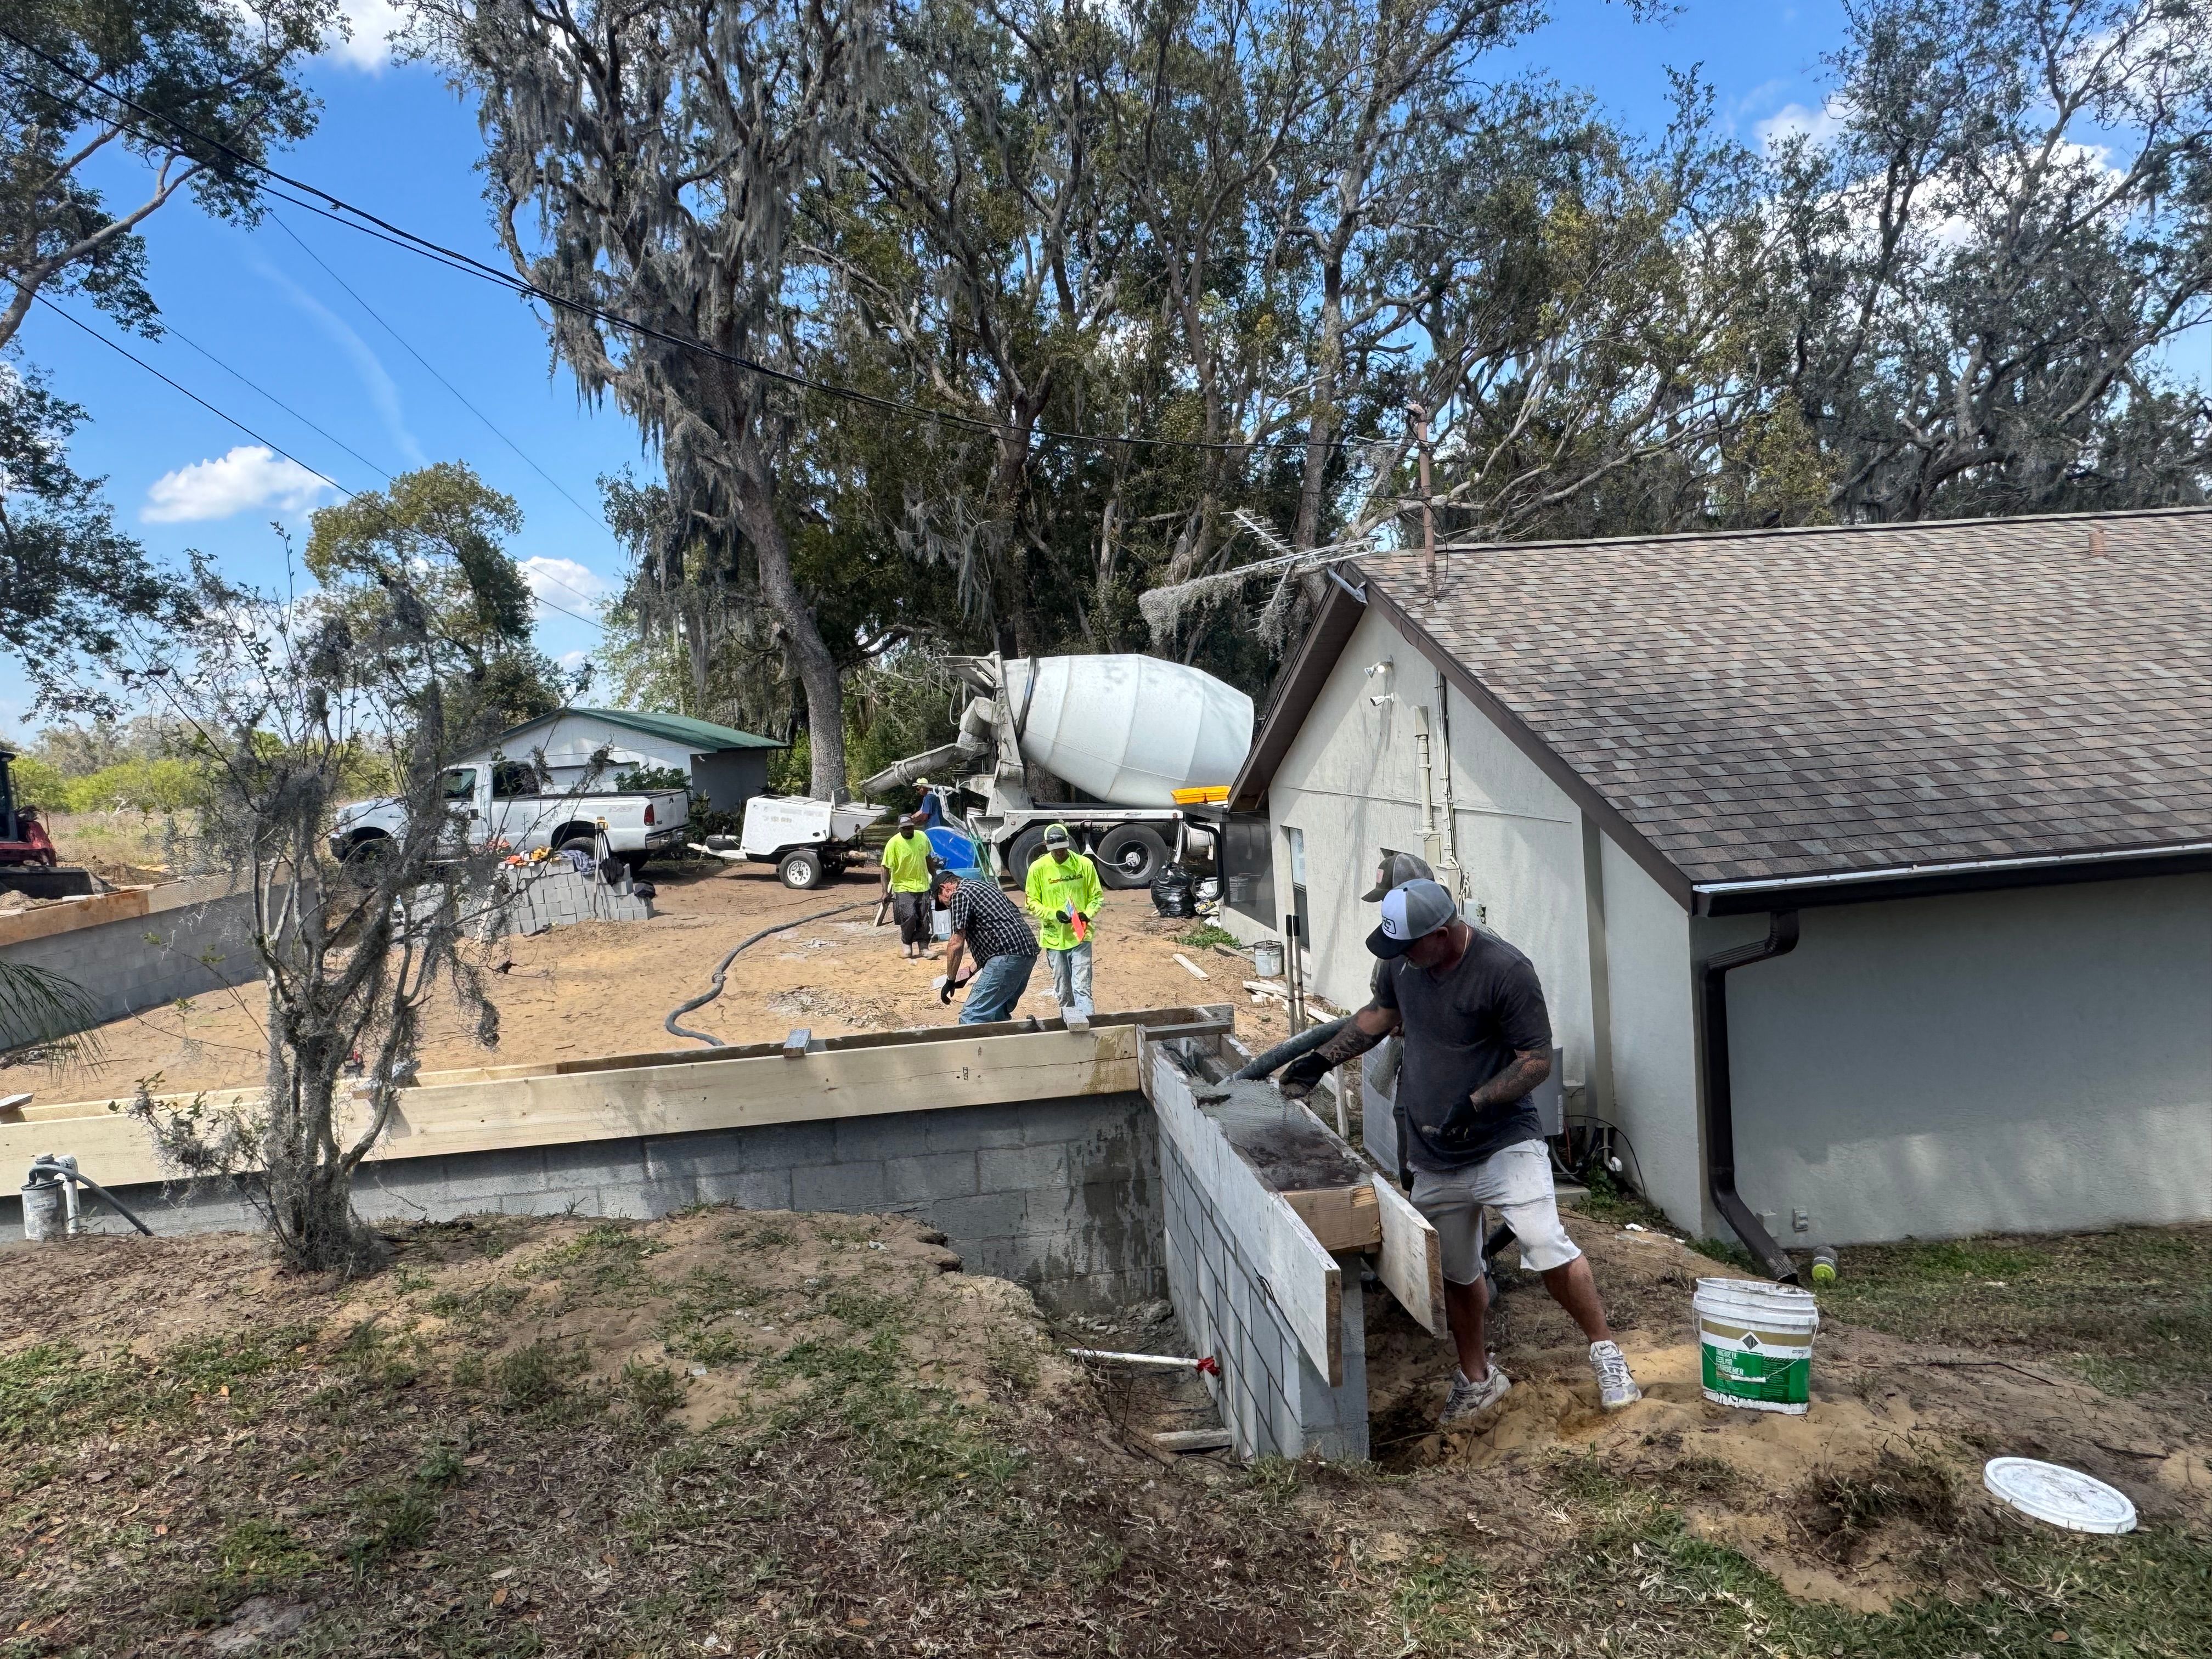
(1469, 1399)
(1615, 1386)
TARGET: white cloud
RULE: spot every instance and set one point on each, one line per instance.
(1795, 120)
(250, 475)
(565, 583)
(572, 661)
(368, 46)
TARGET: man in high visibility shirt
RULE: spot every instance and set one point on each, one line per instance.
(1064, 895)
(906, 884)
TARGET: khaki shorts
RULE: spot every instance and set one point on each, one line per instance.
(1515, 1181)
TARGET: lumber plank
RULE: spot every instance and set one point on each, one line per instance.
(1411, 1262)
(548, 1109)
(1341, 1217)
(1303, 1280)
(795, 1044)
(1192, 1440)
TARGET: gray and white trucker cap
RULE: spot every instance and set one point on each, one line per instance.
(1409, 913)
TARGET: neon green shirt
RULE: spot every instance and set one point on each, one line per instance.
(906, 857)
(1052, 887)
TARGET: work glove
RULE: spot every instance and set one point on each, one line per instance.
(945, 995)
(1067, 913)
(1300, 1077)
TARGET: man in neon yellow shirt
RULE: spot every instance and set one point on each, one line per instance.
(906, 883)
(1064, 895)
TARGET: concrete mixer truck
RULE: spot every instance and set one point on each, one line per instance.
(1127, 734)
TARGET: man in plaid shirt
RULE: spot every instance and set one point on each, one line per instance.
(986, 923)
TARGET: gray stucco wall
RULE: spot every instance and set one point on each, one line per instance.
(1350, 780)
(1653, 1029)
(137, 963)
(1273, 1400)
(2035, 1059)
(1061, 1195)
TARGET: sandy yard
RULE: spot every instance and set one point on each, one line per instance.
(605, 988)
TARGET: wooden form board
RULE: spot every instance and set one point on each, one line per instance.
(1303, 1277)
(945, 1066)
(1410, 1259)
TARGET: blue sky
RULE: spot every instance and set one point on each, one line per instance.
(395, 140)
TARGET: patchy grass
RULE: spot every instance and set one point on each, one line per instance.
(1205, 936)
(1630, 1580)
(2131, 1308)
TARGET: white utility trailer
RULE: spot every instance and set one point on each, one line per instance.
(807, 841)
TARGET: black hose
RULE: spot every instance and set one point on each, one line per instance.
(1284, 1053)
(715, 990)
(62, 1172)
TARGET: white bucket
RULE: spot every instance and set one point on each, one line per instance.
(1756, 1343)
(1267, 958)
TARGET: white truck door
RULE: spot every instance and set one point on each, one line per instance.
(462, 790)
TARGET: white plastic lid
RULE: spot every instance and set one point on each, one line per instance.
(2065, 1497)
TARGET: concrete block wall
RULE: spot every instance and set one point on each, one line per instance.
(1062, 1196)
(140, 962)
(1272, 1399)
(544, 897)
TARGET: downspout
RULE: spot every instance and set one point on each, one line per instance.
(1720, 1116)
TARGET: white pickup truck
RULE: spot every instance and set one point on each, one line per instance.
(501, 801)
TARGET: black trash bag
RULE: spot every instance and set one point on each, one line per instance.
(1175, 891)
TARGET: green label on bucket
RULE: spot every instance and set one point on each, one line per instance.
(1757, 1377)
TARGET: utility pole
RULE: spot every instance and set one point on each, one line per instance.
(1428, 510)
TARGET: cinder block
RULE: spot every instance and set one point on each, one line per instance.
(845, 1187)
(928, 1178)
(749, 1189)
(988, 1215)
(790, 1144)
(968, 1128)
(894, 1134)
(1023, 1169)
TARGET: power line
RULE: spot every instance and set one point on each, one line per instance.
(168, 327)
(269, 443)
(363, 220)
(598, 521)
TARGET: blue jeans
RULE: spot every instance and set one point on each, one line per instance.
(997, 986)
(1071, 978)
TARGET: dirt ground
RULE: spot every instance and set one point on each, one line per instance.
(605, 988)
(758, 1433)
(1918, 1415)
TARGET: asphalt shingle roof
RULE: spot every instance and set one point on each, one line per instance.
(1809, 702)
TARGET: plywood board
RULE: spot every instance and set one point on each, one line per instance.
(1302, 1279)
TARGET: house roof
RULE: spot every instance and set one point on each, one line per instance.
(1762, 707)
(701, 735)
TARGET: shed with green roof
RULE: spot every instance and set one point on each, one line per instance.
(595, 748)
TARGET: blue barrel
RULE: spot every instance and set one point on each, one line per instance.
(956, 852)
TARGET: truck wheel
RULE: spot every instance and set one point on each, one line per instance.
(1130, 855)
(1024, 852)
(365, 853)
(801, 869)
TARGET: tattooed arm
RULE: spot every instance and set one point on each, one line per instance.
(1529, 1067)
(1361, 1032)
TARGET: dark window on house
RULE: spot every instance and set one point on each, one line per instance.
(1248, 867)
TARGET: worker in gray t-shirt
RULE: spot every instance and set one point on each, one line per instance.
(1477, 1039)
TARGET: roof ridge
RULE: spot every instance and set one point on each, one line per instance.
(1809, 530)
